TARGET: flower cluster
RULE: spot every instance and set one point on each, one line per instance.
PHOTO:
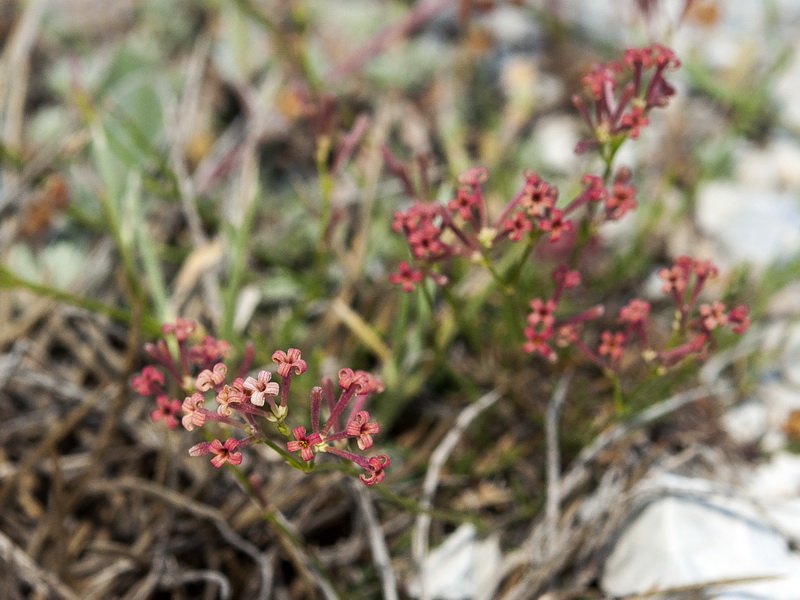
(695, 323)
(436, 232)
(621, 94)
(249, 403)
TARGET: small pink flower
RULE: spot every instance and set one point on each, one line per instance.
(537, 342)
(304, 443)
(621, 200)
(167, 408)
(517, 226)
(208, 378)
(556, 224)
(261, 387)
(406, 277)
(361, 428)
(227, 452)
(634, 121)
(193, 414)
(182, 328)
(713, 315)
(675, 280)
(209, 352)
(376, 469)
(538, 196)
(636, 311)
(612, 344)
(463, 203)
(738, 316)
(288, 361)
(473, 176)
(542, 312)
(230, 394)
(149, 382)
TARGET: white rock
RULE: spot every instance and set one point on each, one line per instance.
(461, 568)
(682, 541)
(747, 423)
(750, 224)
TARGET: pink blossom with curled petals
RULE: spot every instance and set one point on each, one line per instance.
(288, 361)
(167, 408)
(261, 387)
(193, 413)
(230, 394)
(621, 200)
(473, 176)
(376, 469)
(407, 276)
(225, 452)
(361, 428)
(208, 378)
(304, 443)
(149, 382)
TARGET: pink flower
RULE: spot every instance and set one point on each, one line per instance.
(304, 443)
(261, 387)
(230, 394)
(738, 316)
(149, 382)
(227, 452)
(376, 469)
(612, 344)
(208, 379)
(209, 352)
(537, 342)
(407, 276)
(463, 203)
(167, 407)
(556, 224)
(621, 200)
(517, 226)
(542, 312)
(182, 328)
(193, 413)
(675, 280)
(361, 428)
(288, 361)
(634, 121)
(636, 311)
(538, 196)
(713, 315)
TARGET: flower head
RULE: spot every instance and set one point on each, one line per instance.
(361, 427)
(288, 362)
(149, 382)
(230, 394)
(209, 378)
(260, 387)
(225, 452)
(182, 328)
(193, 413)
(167, 408)
(376, 469)
(407, 276)
(304, 443)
